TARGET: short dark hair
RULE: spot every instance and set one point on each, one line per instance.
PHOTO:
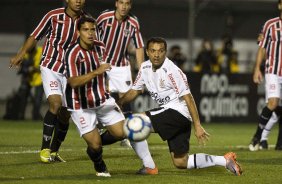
(156, 40)
(279, 1)
(83, 19)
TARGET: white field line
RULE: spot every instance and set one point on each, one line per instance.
(164, 147)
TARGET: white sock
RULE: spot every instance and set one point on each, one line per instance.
(202, 160)
(142, 150)
(273, 119)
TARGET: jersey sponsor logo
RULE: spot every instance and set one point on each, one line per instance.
(173, 83)
(184, 79)
(137, 78)
(158, 99)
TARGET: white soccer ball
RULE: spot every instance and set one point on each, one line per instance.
(137, 127)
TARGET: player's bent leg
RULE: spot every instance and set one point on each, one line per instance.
(179, 161)
(141, 148)
(94, 151)
(201, 160)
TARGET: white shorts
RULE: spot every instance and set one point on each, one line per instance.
(54, 83)
(107, 114)
(120, 79)
(273, 86)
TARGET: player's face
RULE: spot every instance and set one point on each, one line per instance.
(87, 34)
(75, 5)
(123, 7)
(157, 54)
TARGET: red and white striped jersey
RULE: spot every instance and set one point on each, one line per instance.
(79, 62)
(116, 36)
(60, 31)
(166, 85)
(272, 42)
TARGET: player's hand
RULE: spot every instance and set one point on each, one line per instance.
(201, 135)
(103, 68)
(257, 76)
(16, 61)
(260, 37)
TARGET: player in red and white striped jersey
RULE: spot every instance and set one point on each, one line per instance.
(59, 28)
(117, 30)
(270, 48)
(88, 100)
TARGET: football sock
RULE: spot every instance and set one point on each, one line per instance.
(48, 128)
(279, 139)
(107, 138)
(273, 119)
(96, 157)
(202, 160)
(263, 119)
(142, 150)
(60, 133)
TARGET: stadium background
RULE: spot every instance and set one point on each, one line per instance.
(185, 22)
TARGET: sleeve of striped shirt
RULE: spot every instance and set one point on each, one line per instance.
(70, 63)
(43, 27)
(266, 36)
(137, 37)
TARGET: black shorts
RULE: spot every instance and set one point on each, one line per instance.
(173, 127)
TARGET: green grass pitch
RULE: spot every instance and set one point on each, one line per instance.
(19, 158)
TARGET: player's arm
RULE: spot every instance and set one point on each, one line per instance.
(139, 56)
(28, 45)
(257, 76)
(128, 97)
(81, 80)
(200, 132)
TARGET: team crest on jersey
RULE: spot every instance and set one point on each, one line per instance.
(126, 32)
(100, 58)
(161, 83)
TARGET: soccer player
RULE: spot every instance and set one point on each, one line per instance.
(169, 87)
(59, 28)
(89, 101)
(117, 28)
(269, 51)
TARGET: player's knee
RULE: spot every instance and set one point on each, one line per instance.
(55, 107)
(272, 104)
(180, 162)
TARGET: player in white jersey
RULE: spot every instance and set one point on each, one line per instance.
(169, 87)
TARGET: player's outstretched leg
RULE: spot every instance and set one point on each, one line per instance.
(202, 160)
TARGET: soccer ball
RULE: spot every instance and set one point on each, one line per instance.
(137, 127)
